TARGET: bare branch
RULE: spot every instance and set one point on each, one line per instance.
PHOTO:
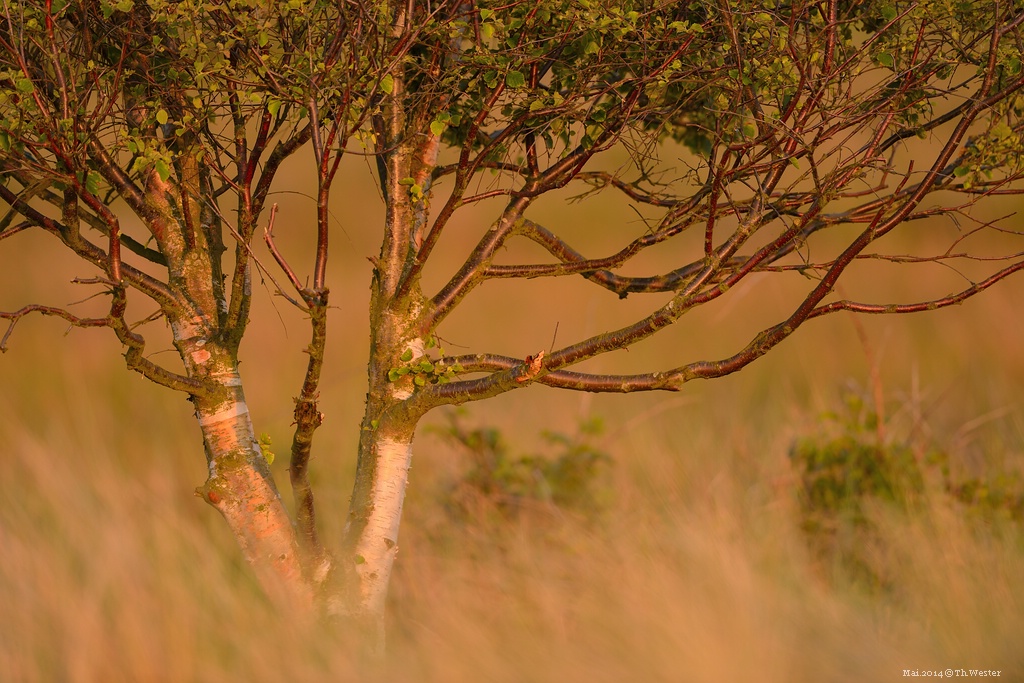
(144, 283)
(268, 237)
(135, 344)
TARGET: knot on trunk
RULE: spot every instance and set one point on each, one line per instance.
(532, 367)
(307, 413)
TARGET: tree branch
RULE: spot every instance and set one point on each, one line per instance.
(148, 285)
(134, 356)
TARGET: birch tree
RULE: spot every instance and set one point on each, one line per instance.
(766, 138)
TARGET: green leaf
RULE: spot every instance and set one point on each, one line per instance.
(387, 84)
(1001, 131)
(161, 116)
(393, 375)
(274, 106)
(360, 559)
(162, 169)
(265, 447)
(24, 85)
(420, 380)
(92, 182)
(437, 127)
(515, 79)
(885, 59)
(491, 79)
(407, 356)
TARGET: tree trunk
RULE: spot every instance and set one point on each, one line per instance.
(385, 456)
(372, 530)
(397, 308)
(240, 485)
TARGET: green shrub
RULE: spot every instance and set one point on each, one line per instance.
(847, 471)
(844, 466)
(565, 478)
(999, 497)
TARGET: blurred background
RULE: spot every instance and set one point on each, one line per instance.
(547, 536)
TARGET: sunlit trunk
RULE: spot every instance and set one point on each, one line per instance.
(239, 484)
(374, 521)
(385, 455)
(370, 545)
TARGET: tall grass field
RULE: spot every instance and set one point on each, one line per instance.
(765, 527)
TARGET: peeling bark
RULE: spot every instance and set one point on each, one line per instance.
(370, 546)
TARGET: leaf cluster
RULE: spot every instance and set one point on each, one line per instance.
(151, 79)
(427, 368)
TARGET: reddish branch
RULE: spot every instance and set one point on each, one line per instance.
(499, 367)
(307, 416)
(807, 129)
(307, 419)
(69, 234)
(74, 320)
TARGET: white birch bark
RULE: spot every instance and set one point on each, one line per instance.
(381, 482)
(239, 485)
(377, 546)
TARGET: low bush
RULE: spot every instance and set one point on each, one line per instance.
(566, 477)
(849, 471)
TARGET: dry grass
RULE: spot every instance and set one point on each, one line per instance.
(112, 572)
